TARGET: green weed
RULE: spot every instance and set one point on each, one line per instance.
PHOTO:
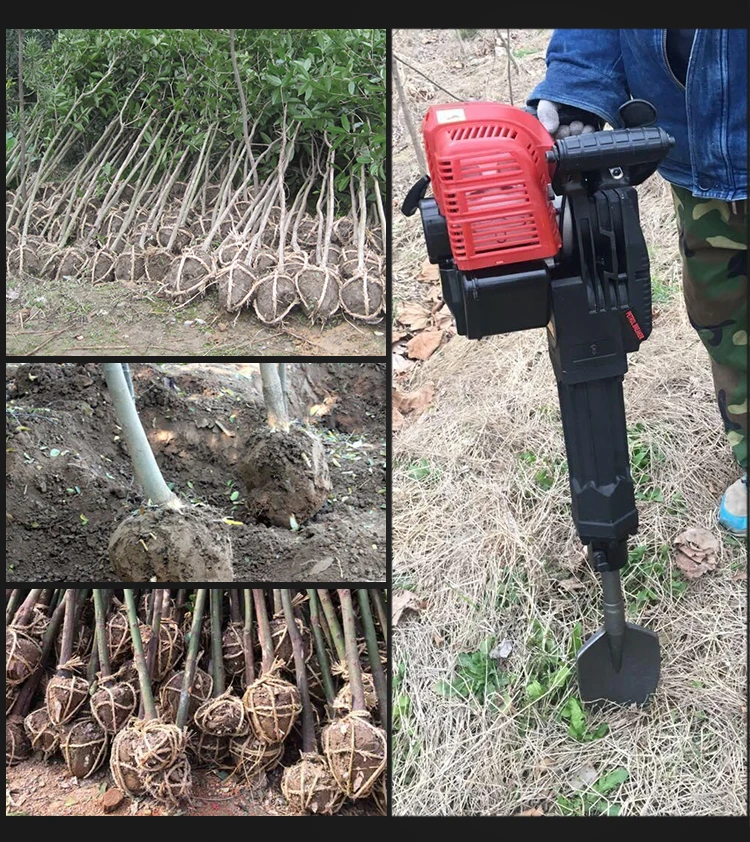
(477, 676)
(595, 802)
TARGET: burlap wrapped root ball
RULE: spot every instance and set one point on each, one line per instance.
(102, 266)
(128, 776)
(348, 263)
(42, 734)
(169, 695)
(50, 257)
(285, 474)
(23, 260)
(65, 696)
(253, 756)
(22, 656)
(170, 785)
(11, 694)
(274, 705)
(343, 231)
(73, 263)
(236, 283)
(130, 265)
(232, 250)
(380, 795)
(224, 716)
(307, 231)
(119, 641)
(274, 297)
(309, 786)
(170, 649)
(342, 704)
(168, 545)
(83, 745)
(113, 703)
(362, 296)
(282, 643)
(318, 291)
(160, 745)
(356, 751)
(233, 649)
(156, 262)
(210, 750)
(189, 275)
(17, 745)
(182, 238)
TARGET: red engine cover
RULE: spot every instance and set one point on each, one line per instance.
(491, 182)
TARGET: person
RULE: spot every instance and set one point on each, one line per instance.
(697, 81)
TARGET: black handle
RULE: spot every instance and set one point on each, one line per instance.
(411, 202)
(609, 149)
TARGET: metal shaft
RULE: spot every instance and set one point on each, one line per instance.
(614, 616)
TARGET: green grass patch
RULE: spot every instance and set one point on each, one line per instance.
(477, 676)
(595, 802)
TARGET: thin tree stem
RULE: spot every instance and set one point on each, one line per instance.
(247, 638)
(333, 624)
(320, 648)
(139, 657)
(352, 654)
(217, 655)
(308, 725)
(191, 663)
(373, 654)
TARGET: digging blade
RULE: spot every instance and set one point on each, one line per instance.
(634, 682)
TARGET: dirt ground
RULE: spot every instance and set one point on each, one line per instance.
(69, 480)
(39, 788)
(72, 317)
(484, 549)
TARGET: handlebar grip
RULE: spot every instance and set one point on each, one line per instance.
(608, 149)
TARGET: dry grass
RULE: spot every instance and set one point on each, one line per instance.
(482, 531)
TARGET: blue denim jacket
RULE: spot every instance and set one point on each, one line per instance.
(599, 69)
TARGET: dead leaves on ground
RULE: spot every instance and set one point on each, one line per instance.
(420, 330)
(410, 404)
(697, 551)
(404, 601)
(421, 327)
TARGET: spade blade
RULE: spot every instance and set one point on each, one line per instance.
(634, 682)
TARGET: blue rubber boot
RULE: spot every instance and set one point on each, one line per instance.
(733, 509)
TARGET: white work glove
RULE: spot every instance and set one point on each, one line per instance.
(562, 120)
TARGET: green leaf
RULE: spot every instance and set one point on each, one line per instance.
(535, 690)
(54, 453)
(190, 483)
(444, 688)
(84, 519)
(559, 678)
(235, 495)
(273, 80)
(345, 122)
(611, 780)
(601, 731)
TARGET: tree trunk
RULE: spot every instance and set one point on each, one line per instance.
(274, 397)
(146, 469)
(21, 127)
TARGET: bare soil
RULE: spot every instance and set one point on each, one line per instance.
(39, 788)
(69, 480)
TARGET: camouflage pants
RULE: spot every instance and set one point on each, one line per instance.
(713, 244)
